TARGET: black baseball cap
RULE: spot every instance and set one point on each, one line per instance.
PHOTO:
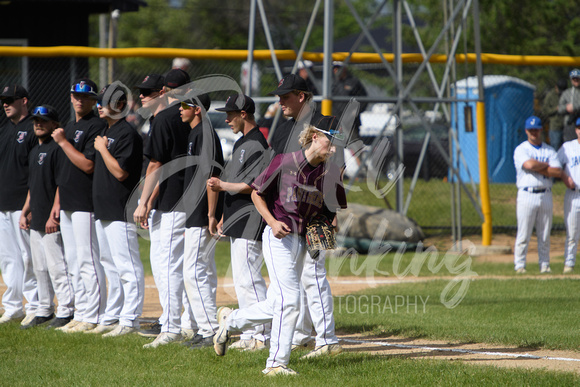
(111, 94)
(237, 103)
(84, 86)
(329, 126)
(152, 81)
(14, 92)
(45, 112)
(202, 99)
(290, 82)
(176, 77)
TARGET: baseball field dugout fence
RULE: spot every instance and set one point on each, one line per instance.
(429, 157)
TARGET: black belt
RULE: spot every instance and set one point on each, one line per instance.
(536, 190)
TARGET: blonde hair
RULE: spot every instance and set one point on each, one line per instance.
(307, 95)
(305, 138)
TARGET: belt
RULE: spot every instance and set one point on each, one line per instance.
(536, 189)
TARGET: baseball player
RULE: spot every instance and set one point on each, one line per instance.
(536, 164)
(117, 172)
(316, 307)
(46, 242)
(569, 157)
(168, 139)
(16, 140)
(199, 271)
(241, 221)
(77, 223)
(294, 188)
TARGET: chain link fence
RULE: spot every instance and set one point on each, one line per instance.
(435, 196)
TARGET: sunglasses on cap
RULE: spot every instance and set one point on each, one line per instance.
(82, 87)
(40, 111)
(147, 92)
(332, 133)
(10, 100)
(188, 105)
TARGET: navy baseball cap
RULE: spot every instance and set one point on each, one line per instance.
(237, 103)
(176, 77)
(13, 92)
(533, 123)
(152, 81)
(84, 86)
(578, 122)
(45, 112)
(290, 82)
(329, 126)
(574, 74)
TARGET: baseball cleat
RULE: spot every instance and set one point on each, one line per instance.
(545, 269)
(59, 322)
(568, 269)
(71, 324)
(187, 334)
(6, 318)
(198, 341)
(521, 270)
(256, 345)
(103, 328)
(220, 340)
(241, 344)
(38, 320)
(82, 327)
(121, 330)
(153, 331)
(28, 319)
(163, 339)
(280, 370)
(324, 350)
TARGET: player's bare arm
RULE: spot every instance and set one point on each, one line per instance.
(279, 229)
(535, 165)
(151, 179)
(568, 181)
(76, 157)
(212, 199)
(24, 221)
(217, 185)
(110, 161)
(55, 211)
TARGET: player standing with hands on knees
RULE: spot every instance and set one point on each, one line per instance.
(46, 242)
(536, 165)
(569, 156)
(292, 190)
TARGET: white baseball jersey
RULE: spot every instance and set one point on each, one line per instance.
(569, 157)
(544, 153)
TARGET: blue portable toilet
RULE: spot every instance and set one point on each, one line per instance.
(508, 102)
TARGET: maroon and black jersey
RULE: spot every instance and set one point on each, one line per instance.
(296, 191)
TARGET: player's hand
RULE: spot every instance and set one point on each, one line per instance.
(141, 216)
(24, 223)
(215, 184)
(280, 229)
(55, 215)
(570, 108)
(58, 135)
(220, 229)
(212, 225)
(51, 226)
(569, 182)
(101, 143)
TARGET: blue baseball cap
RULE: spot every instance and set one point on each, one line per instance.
(533, 123)
(575, 74)
(578, 122)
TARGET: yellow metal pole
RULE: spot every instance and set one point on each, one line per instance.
(483, 175)
(326, 107)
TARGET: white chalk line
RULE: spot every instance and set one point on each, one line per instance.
(458, 350)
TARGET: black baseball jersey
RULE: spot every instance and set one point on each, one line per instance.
(16, 141)
(208, 160)
(168, 139)
(76, 187)
(43, 161)
(285, 138)
(241, 218)
(109, 194)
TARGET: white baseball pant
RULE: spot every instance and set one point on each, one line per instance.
(316, 309)
(51, 274)
(250, 286)
(80, 244)
(124, 247)
(187, 321)
(572, 221)
(533, 209)
(284, 260)
(16, 266)
(114, 289)
(200, 278)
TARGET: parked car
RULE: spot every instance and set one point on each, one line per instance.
(433, 166)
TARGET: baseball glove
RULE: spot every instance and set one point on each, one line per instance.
(319, 236)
